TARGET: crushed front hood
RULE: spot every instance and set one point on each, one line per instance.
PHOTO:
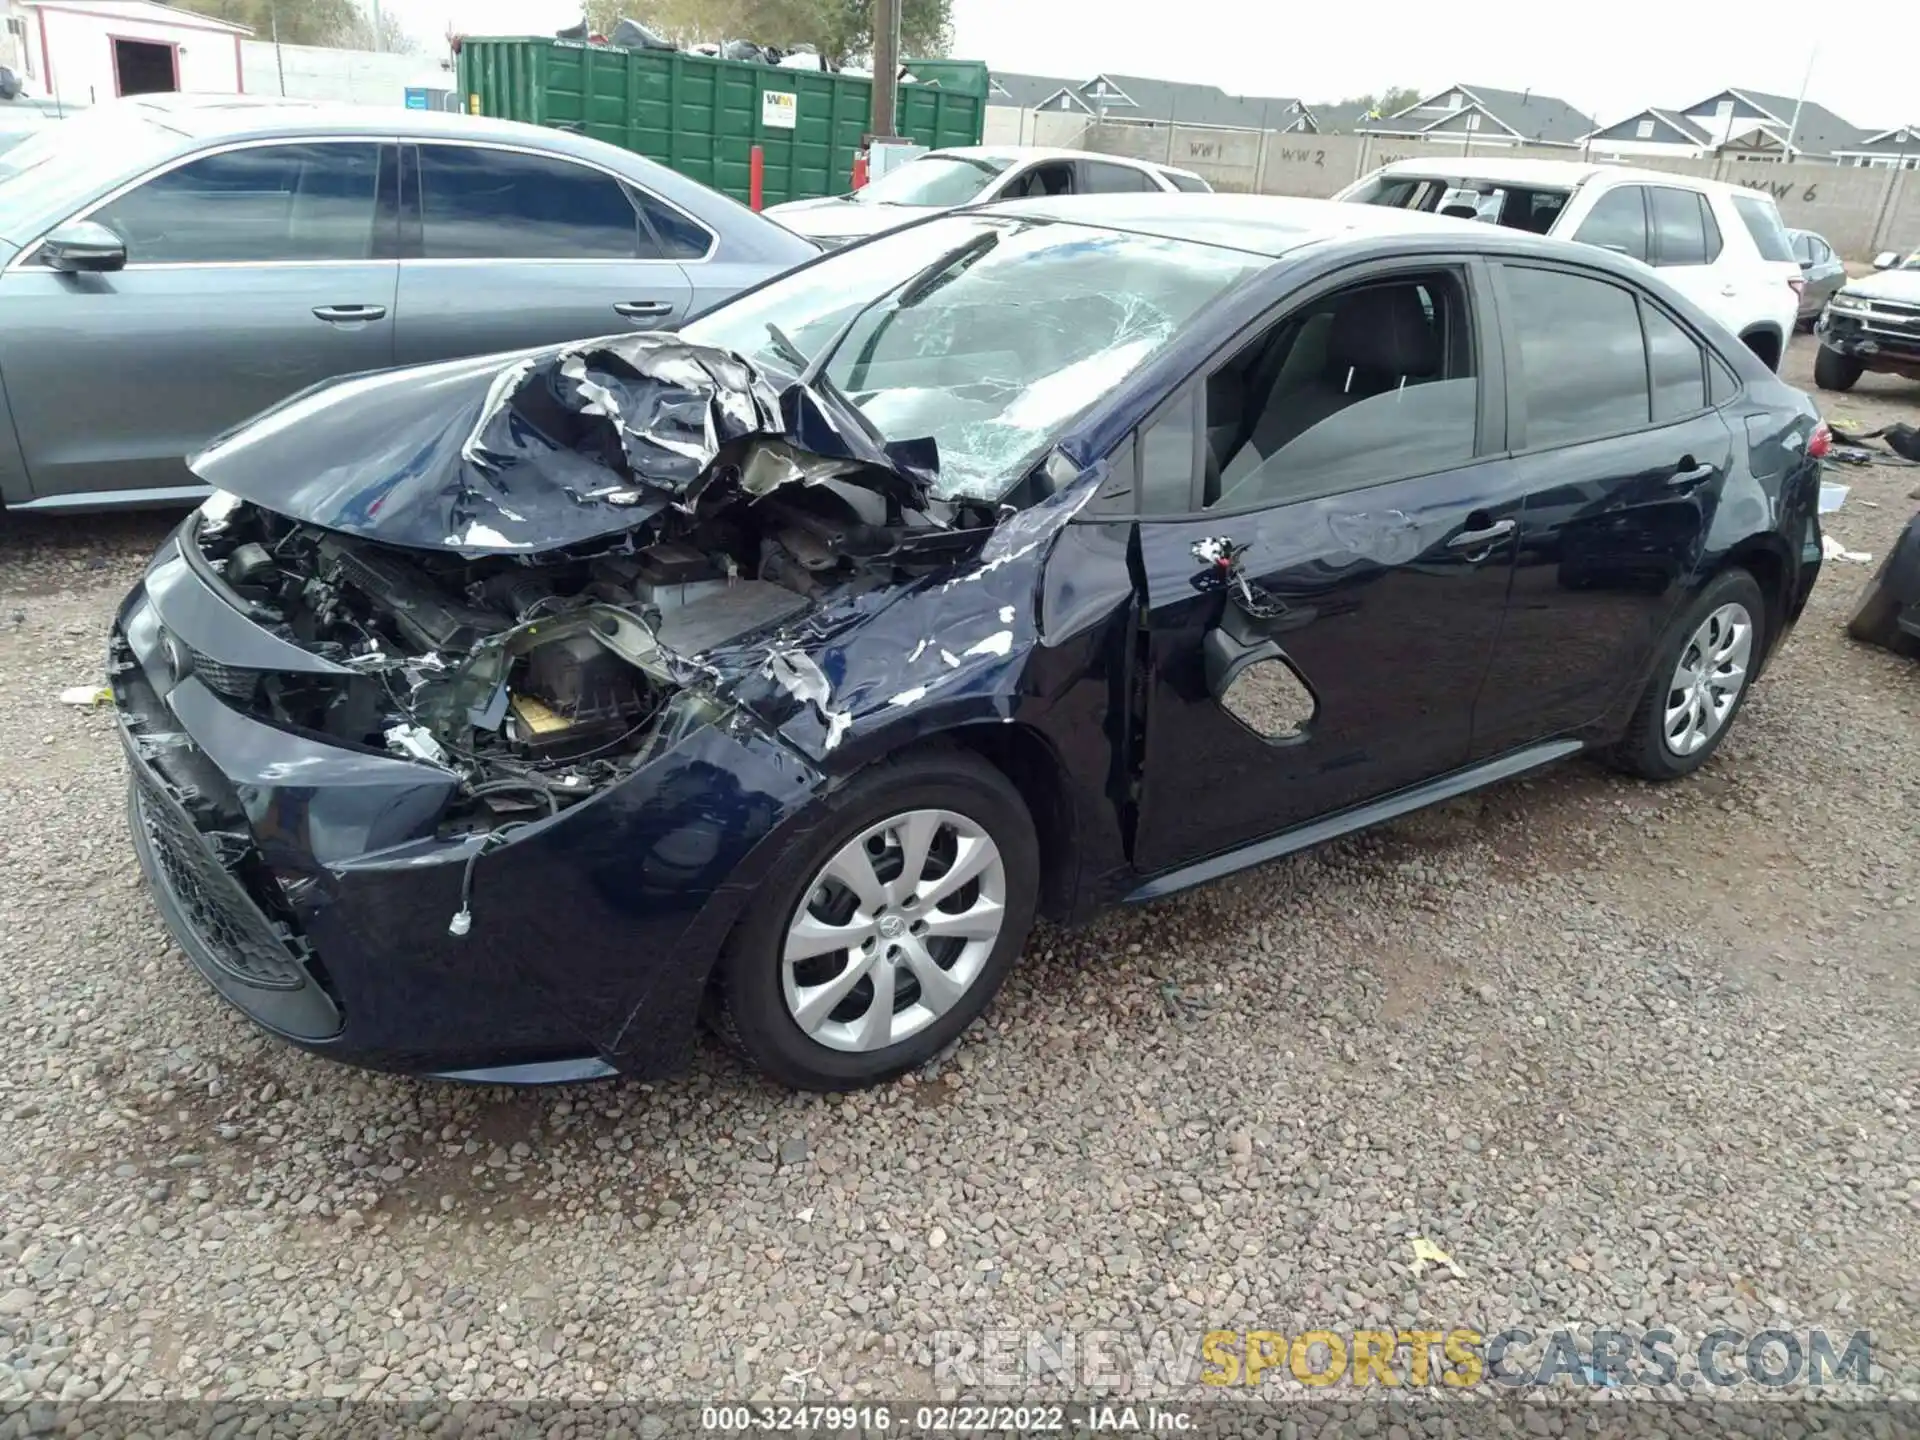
(539, 450)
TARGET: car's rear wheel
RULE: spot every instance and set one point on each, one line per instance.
(1699, 681)
(1834, 371)
(885, 928)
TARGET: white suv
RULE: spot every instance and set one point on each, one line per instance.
(1723, 247)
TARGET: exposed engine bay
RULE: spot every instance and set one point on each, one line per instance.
(542, 678)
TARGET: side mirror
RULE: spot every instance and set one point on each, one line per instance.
(1806, 264)
(83, 246)
(1886, 260)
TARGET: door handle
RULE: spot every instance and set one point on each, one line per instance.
(643, 309)
(1482, 539)
(1689, 473)
(345, 314)
(1729, 290)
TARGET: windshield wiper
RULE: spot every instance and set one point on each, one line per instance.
(914, 287)
(786, 349)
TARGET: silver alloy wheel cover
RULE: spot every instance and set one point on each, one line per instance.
(890, 925)
(1707, 681)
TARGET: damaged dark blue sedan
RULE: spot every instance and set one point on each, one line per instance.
(499, 719)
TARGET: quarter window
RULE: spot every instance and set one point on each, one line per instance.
(1762, 219)
(680, 238)
(481, 204)
(1582, 369)
(1676, 365)
(1617, 222)
(310, 202)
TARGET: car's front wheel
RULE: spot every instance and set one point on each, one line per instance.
(1834, 371)
(1699, 681)
(887, 927)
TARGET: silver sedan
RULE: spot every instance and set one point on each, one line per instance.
(172, 265)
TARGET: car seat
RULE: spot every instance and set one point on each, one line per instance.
(1377, 340)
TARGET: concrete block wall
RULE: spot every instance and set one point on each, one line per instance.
(356, 77)
(1859, 211)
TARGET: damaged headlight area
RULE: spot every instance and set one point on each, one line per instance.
(539, 678)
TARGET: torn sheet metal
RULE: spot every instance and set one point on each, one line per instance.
(948, 643)
(555, 447)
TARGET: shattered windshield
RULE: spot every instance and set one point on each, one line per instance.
(995, 346)
(937, 181)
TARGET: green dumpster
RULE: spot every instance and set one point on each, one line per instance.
(703, 116)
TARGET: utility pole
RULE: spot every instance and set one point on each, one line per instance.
(279, 60)
(1793, 125)
(376, 26)
(886, 67)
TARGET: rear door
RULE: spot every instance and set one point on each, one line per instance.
(506, 248)
(252, 272)
(1621, 459)
(1325, 551)
(1691, 255)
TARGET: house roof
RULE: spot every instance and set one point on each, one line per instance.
(1140, 97)
(1818, 132)
(1679, 128)
(1900, 140)
(153, 12)
(1545, 118)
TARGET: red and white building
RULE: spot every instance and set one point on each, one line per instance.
(84, 52)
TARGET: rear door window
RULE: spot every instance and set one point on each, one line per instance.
(482, 204)
(1762, 219)
(1617, 222)
(1105, 179)
(1582, 371)
(1679, 234)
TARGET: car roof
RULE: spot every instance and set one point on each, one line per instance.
(235, 117)
(1268, 225)
(1019, 154)
(1561, 174)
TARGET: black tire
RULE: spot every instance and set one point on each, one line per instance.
(1834, 371)
(1876, 615)
(751, 1010)
(1643, 749)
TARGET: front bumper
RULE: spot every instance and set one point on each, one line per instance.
(306, 882)
(1887, 335)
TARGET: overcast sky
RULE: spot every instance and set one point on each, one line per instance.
(1608, 60)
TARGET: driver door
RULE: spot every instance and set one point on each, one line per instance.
(251, 273)
(1327, 573)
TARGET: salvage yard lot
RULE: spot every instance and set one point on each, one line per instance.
(1630, 1055)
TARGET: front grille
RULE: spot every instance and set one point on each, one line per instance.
(236, 682)
(236, 933)
(233, 681)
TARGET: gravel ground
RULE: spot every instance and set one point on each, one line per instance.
(1627, 1054)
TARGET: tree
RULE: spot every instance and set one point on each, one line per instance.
(1390, 102)
(390, 36)
(297, 22)
(841, 30)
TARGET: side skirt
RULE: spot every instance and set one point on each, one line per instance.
(1328, 827)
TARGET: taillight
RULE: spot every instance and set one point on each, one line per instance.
(1797, 285)
(1821, 444)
